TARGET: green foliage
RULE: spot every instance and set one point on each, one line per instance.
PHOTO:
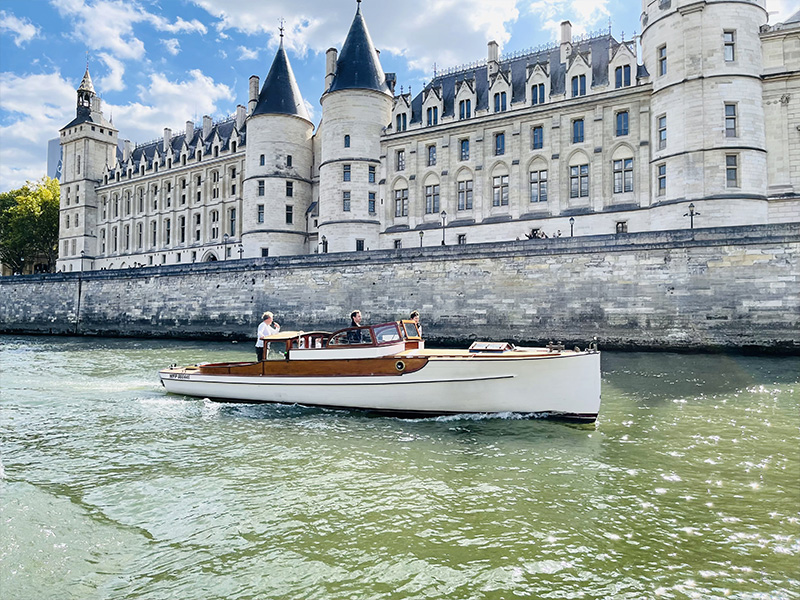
(29, 225)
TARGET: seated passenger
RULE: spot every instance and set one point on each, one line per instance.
(354, 335)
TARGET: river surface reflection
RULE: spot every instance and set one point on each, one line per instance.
(687, 487)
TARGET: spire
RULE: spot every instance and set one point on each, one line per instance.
(358, 66)
(280, 94)
(86, 82)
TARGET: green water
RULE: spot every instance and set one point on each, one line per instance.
(687, 487)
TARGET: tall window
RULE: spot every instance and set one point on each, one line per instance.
(289, 214)
(167, 232)
(537, 137)
(214, 224)
(729, 45)
(113, 241)
(730, 120)
(661, 55)
(500, 102)
(465, 109)
(359, 245)
(622, 123)
(139, 236)
(465, 195)
(371, 174)
(433, 115)
(346, 201)
(537, 94)
(431, 199)
(260, 217)
(262, 160)
(371, 203)
(182, 229)
(288, 163)
(261, 187)
(345, 172)
(153, 233)
(623, 175)
(499, 144)
(290, 188)
(402, 122)
(197, 228)
(347, 141)
(464, 144)
(662, 132)
(732, 170)
(661, 177)
(622, 76)
(579, 181)
(431, 155)
(232, 221)
(400, 162)
(577, 131)
(538, 180)
(401, 203)
(500, 190)
(579, 86)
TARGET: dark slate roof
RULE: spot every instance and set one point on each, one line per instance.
(516, 69)
(358, 66)
(85, 116)
(795, 18)
(280, 94)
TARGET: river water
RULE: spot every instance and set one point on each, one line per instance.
(688, 486)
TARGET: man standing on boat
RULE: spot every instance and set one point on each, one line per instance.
(354, 335)
(266, 328)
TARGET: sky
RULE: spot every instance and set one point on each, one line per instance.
(159, 63)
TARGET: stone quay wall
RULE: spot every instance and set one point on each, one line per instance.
(714, 288)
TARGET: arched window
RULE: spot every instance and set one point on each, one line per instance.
(346, 141)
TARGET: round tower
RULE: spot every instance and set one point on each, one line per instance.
(707, 117)
(278, 162)
(356, 107)
(88, 144)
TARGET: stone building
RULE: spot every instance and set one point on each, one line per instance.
(696, 122)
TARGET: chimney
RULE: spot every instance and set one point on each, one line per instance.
(330, 66)
(189, 131)
(207, 124)
(167, 138)
(566, 32)
(126, 150)
(494, 58)
(566, 40)
(251, 105)
(240, 116)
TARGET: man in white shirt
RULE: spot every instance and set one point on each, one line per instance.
(266, 328)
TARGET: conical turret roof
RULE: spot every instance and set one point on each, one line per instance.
(280, 94)
(86, 83)
(358, 66)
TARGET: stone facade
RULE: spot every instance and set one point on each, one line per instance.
(695, 122)
(733, 287)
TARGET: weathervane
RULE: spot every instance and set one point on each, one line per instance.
(281, 27)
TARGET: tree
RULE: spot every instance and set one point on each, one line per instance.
(29, 224)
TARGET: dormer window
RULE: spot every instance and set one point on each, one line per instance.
(622, 76)
(402, 122)
(578, 86)
(433, 115)
(465, 109)
(500, 102)
(537, 94)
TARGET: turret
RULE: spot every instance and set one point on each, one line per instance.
(356, 107)
(278, 162)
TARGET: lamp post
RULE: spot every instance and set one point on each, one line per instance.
(83, 253)
(421, 235)
(691, 214)
(225, 246)
(324, 244)
(443, 214)
(571, 226)
(241, 251)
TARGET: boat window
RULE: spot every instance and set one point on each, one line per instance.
(411, 329)
(276, 351)
(349, 337)
(387, 333)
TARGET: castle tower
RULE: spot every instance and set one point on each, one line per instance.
(356, 107)
(707, 117)
(88, 144)
(278, 162)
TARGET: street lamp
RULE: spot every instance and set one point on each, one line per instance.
(225, 246)
(324, 244)
(241, 251)
(421, 235)
(83, 253)
(443, 214)
(691, 214)
(571, 226)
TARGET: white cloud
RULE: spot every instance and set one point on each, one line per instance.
(22, 29)
(113, 81)
(247, 53)
(108, 25)
(163, 101)
(585, 15)
(35, 107)
(172, 45)
(780, 10)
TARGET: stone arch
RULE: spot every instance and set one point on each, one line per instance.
(622, 150)
(210, 256)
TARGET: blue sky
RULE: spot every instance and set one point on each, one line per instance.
(159, 63)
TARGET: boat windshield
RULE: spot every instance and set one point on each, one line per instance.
(388, 332)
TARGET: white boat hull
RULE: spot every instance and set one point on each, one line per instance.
(564, 384)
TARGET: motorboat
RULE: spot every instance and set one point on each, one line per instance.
(386, 368)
